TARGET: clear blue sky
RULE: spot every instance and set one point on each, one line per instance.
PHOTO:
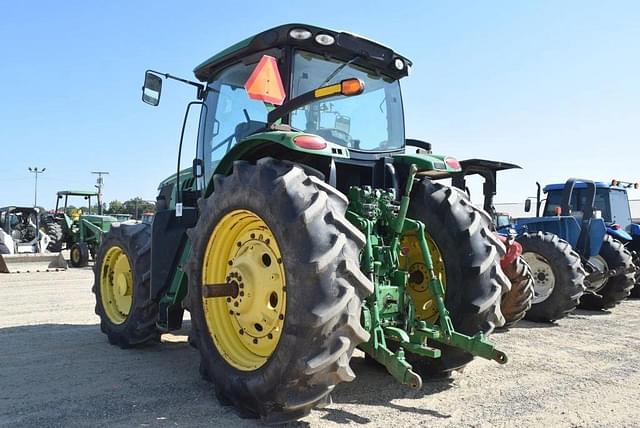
(551, 85)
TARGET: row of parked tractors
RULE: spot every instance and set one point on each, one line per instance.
(308, 225)
(580, 250)
(32, 238)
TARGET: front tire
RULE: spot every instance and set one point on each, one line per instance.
(79, 254)
(471, 256)
(277, 357)
(617, 288)
(557, 274)
(122, 286)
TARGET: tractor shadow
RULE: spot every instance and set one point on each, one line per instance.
(374, 386)
(524, 324)
(68, 374)
(586, 313)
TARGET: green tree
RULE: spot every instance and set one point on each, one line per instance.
(137, 206)
(115, 207)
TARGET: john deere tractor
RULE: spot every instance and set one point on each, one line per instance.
(80, 232)
(303, 229)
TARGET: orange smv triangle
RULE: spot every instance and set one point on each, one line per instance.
(265, 83)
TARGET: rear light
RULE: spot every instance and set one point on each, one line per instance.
(616, 226)
(557, 210)
(310, 142)
(452, 163)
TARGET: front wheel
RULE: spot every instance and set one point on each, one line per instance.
(79, 254)
(282, 339)
(558, 276)
(122, 286)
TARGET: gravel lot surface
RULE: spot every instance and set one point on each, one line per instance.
(57, 369)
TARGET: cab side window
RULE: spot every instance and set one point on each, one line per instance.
(231, 115)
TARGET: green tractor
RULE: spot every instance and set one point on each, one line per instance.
(72, 229)
(306, 226)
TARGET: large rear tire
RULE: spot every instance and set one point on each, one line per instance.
(471, 256)
(517, 301)
(122, 286)
(617, 288)
(276, 367)
(557, 274)
(54, 231)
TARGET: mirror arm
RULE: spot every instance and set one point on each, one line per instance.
(200, 87)
(320, 93)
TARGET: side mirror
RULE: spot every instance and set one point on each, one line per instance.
(151, 89)
(527, 205)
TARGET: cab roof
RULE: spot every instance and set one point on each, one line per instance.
(346, 46)
(581, 185)
(77, 193)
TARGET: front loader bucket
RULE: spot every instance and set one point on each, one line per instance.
(16, 263)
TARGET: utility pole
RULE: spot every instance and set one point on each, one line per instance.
(99, 185)
(35, 171)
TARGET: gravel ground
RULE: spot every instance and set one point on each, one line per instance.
(57, 369)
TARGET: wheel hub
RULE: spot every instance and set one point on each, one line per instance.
(246, 327)
(418, 284)
(116, 284)
(544, 278)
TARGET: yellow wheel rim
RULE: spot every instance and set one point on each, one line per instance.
(116, 285)
(75, 255)
(418, 285)
(245, 329)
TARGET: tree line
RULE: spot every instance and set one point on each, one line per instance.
(135, 207)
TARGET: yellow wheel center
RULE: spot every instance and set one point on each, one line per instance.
(246, 328)
(418, 285)
(116, 285)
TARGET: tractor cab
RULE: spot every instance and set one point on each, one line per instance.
(571, 212)
(20, 232)
(611, 203)
(331, 99)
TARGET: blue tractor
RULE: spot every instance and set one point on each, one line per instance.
(612, 203)
(571, 217)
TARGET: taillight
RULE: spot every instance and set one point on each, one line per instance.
(616, 226)
(452, 163)
(310, 142)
